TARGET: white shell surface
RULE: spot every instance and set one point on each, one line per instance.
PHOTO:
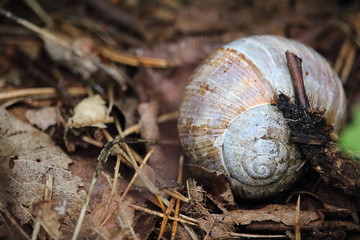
(322, 84)
(245, 77)
(259, 140)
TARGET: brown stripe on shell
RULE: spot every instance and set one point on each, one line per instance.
(223, 87)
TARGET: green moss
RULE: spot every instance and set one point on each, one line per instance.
(350, 137)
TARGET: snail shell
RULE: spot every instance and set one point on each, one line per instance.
(227, 121)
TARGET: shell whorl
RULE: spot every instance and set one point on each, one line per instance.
(259, 141)
(233, 91)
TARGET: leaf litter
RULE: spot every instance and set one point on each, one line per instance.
(29, 156)
(149, 50)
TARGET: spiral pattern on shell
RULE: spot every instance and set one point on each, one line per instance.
(227, 121)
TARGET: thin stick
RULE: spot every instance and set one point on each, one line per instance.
(38, 92)
(294, 65)
(147, 157)
(92, 141)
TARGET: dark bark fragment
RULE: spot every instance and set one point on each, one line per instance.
(313, 136)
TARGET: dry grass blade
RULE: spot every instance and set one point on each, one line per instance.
(245, 235)
(161, 203)
(75, 91)
(166, 218)
(36, 230)
(103, 156)
(297, 220)
(109, 138)
(48, 187)
(176, 195)
(36, 7)
(113, 187)
(129, 156)
(345, 60)
(193, 221)
(348, 31)
(177, 206)
(175, 223)
(147, 157)
(132, 60)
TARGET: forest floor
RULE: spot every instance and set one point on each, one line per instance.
(78, 74)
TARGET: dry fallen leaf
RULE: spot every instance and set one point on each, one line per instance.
(30, 157)
(42, 118)
(215, 183)
(90, 112)
(273, 212)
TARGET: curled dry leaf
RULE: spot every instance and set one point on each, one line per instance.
(42, 118)
(149, 129)
(90, 112)
(29, 156)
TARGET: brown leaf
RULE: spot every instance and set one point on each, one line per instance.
(30, 156)
(215, 184)
(273, 212)
(42, 118)
(215, 228)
